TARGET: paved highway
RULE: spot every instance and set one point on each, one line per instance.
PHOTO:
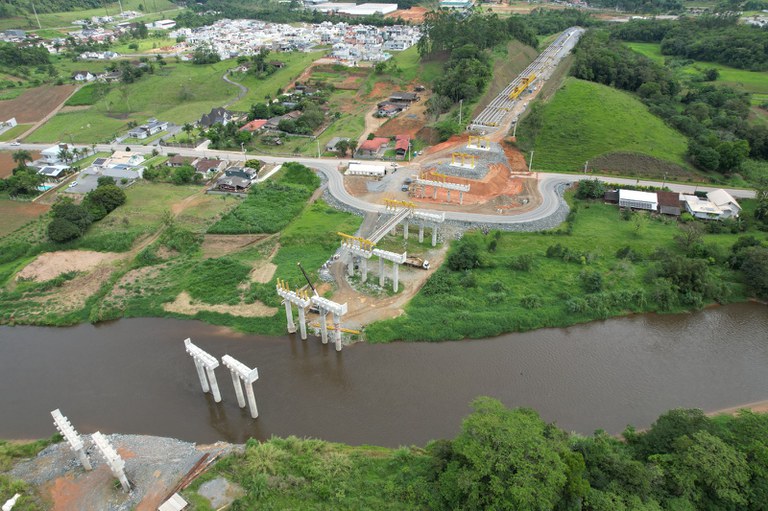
(548, 183)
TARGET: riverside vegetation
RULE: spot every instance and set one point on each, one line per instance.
(602, 262)
(512, 459)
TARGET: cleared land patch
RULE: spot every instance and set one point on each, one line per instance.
(50, 265)
(34, 104)
(185, 305)
(17, 213)
(585, 120)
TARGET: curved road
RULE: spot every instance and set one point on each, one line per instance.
(548, 183)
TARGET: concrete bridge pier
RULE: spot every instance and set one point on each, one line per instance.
(421, 234)
(238, 389)
(461, 197)
(302, 323)
(395, 276)
(324, 325)
(449, 195)
(289, 317)
(382, 278)
(434, 235)
(337, 330)
(405, 230)
(364, 269)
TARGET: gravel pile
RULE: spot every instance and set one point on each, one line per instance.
(153, 465)
(483, 160)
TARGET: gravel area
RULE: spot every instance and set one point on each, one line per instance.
(153, 465)
(483, 158)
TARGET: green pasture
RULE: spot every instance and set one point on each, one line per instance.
(585, 120)
(178, 92)
(295, 64)
(14, 132)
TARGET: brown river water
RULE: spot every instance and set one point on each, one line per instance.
(133, 376)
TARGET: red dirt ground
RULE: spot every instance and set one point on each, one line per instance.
(34, 104)
(497, 182)
(7, 164)
(414, 14)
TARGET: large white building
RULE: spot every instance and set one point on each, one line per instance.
(638, 200)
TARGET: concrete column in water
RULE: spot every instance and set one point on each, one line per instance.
(421, 233)
(251, 399)
(395, 276)
(382, 279)
(238, 389)
(214, 384)
(364, 267)
(201, 375)
(434, 235)
(405, 230)
(289, 316)
(337, 331)
(302, 323)
(324, 325)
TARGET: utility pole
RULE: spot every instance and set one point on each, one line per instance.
(121, 6)
(585, 167)
(461, 104)
(514, 131)
(36, 16)
(530, 163)
(318, 147)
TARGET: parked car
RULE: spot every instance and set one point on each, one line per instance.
(72, 184)
(15, 143)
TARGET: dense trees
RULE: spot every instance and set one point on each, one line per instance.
(70, 221)
(15, 8)
(716, 38)
(13, 55)
(645, 6)
(465, 74)
(205, 55)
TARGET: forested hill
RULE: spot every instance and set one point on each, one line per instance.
(717, 38)
(22, 7)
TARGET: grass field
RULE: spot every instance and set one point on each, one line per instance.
(65, 19)
(749, 81)
(17, 213)
(585, 120)
(508, 65)
(14, 132)
(497, 297)
(178, 93)
(145, 45)
(295, 63)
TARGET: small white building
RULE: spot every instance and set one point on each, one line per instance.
(725, 202)
(10, 123)
(638, 200)
(162, 25)
(366, 169)
(51, 154)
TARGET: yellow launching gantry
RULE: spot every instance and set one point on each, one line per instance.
(394, 204)
(455, 157)
(363, 243)
(331, 327)
(522, 86)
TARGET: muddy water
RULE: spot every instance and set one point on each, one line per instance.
(133, 376)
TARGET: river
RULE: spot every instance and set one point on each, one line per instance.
(133, 376)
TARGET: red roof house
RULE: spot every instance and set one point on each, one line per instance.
(254, 125)
(373, 147)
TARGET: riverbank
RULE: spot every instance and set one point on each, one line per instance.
(512, 445)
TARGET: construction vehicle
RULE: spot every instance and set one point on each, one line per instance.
(312, 308)
(417, 262)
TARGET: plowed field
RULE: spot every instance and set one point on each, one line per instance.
(34, 104)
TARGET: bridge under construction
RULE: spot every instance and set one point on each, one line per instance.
(494, 114)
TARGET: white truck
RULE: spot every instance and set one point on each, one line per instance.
(417, 262)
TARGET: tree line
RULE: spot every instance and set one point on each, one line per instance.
(715, 118)
(644, 6)
(13, 55)
(10, 8)
(712, 38)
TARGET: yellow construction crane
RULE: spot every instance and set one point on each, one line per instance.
(331, 327)
(365, 244)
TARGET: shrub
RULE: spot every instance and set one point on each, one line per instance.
(530, 302)
(465, 256)
(591, 281)
(523, 262)
(590, 189)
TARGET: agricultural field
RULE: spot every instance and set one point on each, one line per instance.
(178, 92)
(14, 132)
(7, 164)
(16, 214)
(585, 120)
(515, 286)
(34, 104)
(65, 19)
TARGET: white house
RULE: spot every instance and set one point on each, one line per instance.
(152, 127)
(51, 155)
(83, 76)
(638, 200)
(10, 123)
(725, 202)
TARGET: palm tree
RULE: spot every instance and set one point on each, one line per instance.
(93, 148)
(188, 128)
(76, 154)
(21, 157)
(64, 154)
